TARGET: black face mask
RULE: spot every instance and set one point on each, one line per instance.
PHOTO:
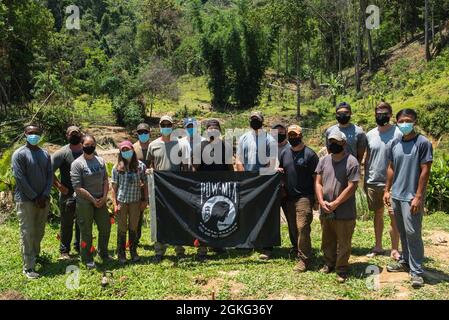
(281, 138)
(335, 148)
(256, 124)
(74, 140)
(382, 119)
(343, 118)
(89, 150)
(295, 141)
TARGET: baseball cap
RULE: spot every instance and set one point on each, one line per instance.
(166, 118)
(294, 128)
(124, 144)
(343, 105)
(72, 129)
(143, 126)
(189, 121)
(257, 114)
(337, 135)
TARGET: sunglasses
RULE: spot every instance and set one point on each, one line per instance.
(142, 132)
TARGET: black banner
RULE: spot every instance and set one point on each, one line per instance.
(218, 209)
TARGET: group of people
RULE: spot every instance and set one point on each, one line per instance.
(397, 162)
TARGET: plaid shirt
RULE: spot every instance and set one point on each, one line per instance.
(129, 183)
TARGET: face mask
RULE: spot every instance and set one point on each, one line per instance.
(335, 148)
(281, 138)
(166, 131)
(190, 131)
(33, 139)
(127, 154)
(256, 124)
(343, 118)
(295, 141)
(382, 119)
(406, 128)
(74, 140)
(144, 137)
(89, 150)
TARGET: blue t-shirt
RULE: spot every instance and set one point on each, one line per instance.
(407, 158)
(254, 150)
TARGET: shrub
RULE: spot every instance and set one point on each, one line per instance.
(438, 189)
(55, 119)
(433, 118)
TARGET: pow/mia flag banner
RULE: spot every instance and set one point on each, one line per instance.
(219, 209)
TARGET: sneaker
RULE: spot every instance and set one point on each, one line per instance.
(326, 269)
(398, 267)
(106, 258)
(64, 256)
(417, 282)
(341, 277)
(300, 266)
(31, 274)
(90, 265)
(265, 255)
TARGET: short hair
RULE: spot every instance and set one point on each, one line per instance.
(384, 105)
(407, 112)
(88, 136)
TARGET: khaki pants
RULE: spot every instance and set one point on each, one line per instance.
(299, 216)
(86, 214)
(128, 217)
(32, 222)
(336, 242)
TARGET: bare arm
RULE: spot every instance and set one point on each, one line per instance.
(347, 193)
(388, 183)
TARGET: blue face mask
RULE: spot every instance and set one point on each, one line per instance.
(144, 138)
(190, 131)
(127, 154)
(33, 139)
(406, 128)
(166, 131)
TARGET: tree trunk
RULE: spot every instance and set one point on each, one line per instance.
(426, 29)
(298, 88)
(358, 55)
(286, 53)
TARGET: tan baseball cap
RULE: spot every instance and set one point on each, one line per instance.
(337, 135)
(72, 129)
(256, 114)
(166, 118)
(294, 128)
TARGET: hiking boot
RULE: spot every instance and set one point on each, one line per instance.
(31, 274)
(90, 265)
(341, 277)
(417, 282)
(398, 267)
(135, 257)
(300, 266)
(326, 269)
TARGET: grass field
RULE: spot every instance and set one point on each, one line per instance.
(236, 275)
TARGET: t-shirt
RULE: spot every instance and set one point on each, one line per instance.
(33, 173)
(335, 177)
(141, 153)
(215, 156)
(356, 137)
(377, 163)
(280, 149)
(89, 175)
(299, 169)
(166, 156)
(407, 158)
(254, 150)
(188, 146)
(62, 160)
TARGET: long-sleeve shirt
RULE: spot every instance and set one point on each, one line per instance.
(33, 173)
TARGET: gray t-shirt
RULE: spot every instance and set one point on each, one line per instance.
(89, 175)
(33, 174)
(407, 158)
(166, 156)
(335, 176)
(253, 150)
(62, 160)
(377, 163)
(356, 137)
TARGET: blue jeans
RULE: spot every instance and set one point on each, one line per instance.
(410, 226)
